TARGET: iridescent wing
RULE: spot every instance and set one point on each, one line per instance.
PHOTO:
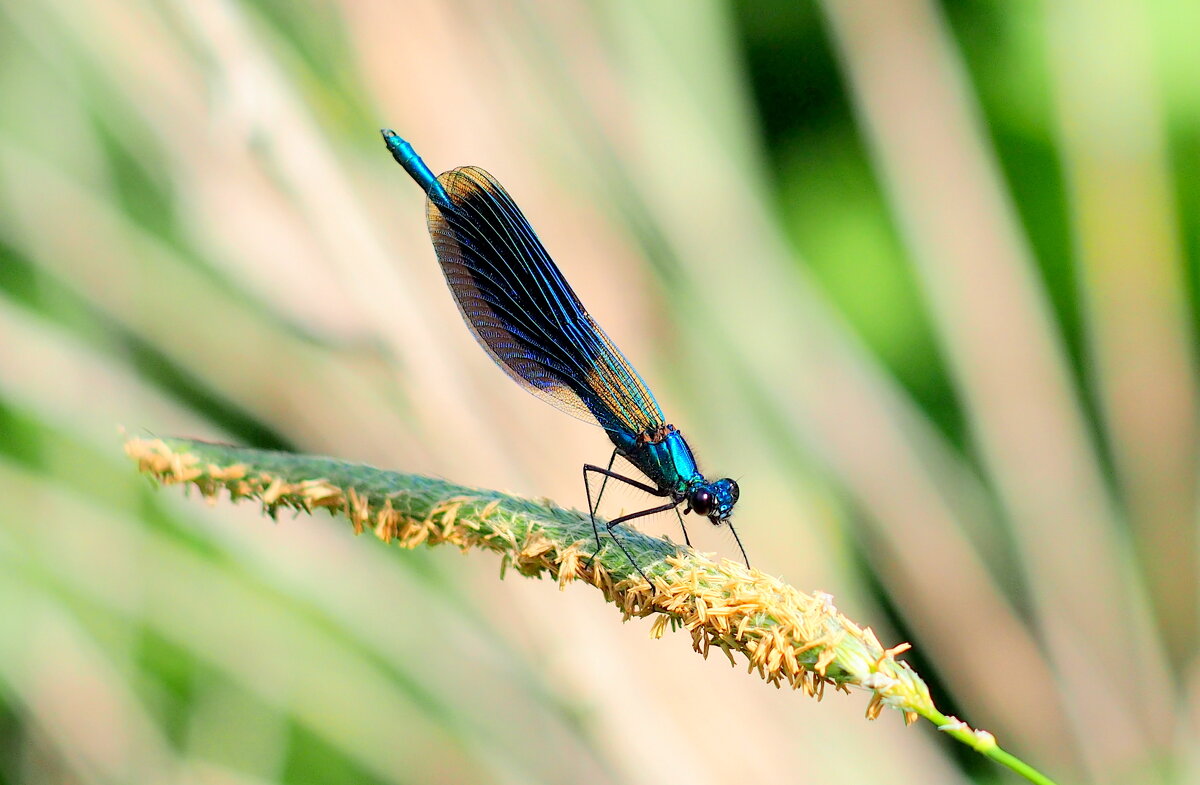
(524, 313)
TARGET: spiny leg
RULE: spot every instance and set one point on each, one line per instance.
(650, 489)
(587, 467)
(686, 541)
(617, 521)
(738, 540)
(604, 482)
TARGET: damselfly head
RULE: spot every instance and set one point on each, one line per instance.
(714, 500)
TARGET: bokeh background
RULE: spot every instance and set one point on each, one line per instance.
(920, 275)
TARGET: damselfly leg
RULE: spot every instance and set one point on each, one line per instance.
(594, 509)
(650, 489)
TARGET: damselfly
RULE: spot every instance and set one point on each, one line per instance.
(526, 316)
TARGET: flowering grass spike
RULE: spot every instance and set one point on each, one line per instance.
(788, 637)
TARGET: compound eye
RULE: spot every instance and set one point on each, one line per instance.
(702, 502)
(733, 490)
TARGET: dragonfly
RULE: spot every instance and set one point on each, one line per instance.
(527, 317)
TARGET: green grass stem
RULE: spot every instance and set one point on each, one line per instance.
(786, 636)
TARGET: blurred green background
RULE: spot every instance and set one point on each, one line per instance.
(921, 276)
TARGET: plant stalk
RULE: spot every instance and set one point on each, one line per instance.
(786, 636)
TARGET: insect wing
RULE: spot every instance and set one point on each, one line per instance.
(524, 313)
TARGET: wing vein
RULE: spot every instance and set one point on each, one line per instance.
(524, 313)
